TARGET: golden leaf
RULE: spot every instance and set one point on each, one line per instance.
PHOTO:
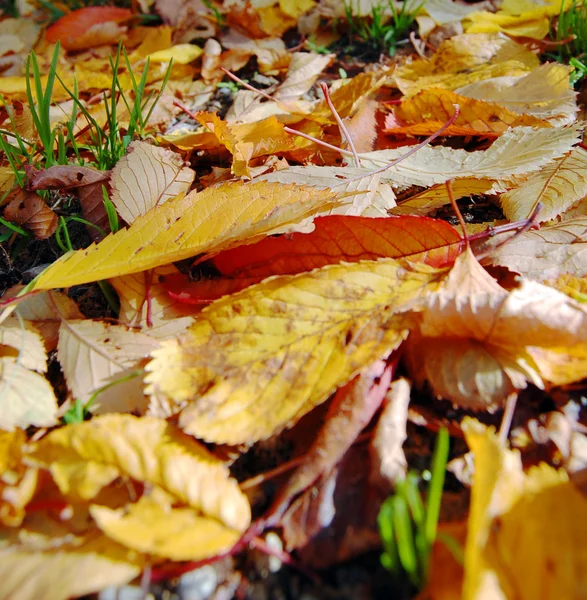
(257, 361)
(147, 177)
(203, 222)
(520, 525)
(174, 533)
(464, 59)
(84, 457)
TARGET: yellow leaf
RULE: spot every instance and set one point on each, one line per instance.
(174, 533)
(464, 59)
(296, 8)
(17, 483)
(85, 565)
(519, 18)
(557, 187)
(521, 525)
(26, 398)
(149, 450)
(203, 222)
(545, 92)
(437, 105)
(94, 353)
(180, 54)
(257, 361)
(304, 69)
(436, 196)
(246, 141)
(147, 177)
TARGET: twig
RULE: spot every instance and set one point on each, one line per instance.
(508, 415)
(414, 149)
(246, 85)
(185, 109)
(344, 132)
(455, 207)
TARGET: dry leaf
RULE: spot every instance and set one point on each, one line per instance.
(477, 343)
(203, 222)
(93, 354)
(257, 361)
(147, 177)
(84, 457)
(518, 151)
(29, 210)
(21, 339)
(351, 410)
(26, 398)
(544, 254)
(388, 461)
(557, 187)
(545, 92)
(518, 528)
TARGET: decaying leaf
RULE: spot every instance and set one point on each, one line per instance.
(203, 222)
(147, 177)
(257, 361)
(29, 210)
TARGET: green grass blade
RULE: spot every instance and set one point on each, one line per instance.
(438, 470)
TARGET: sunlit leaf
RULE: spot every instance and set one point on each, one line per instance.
(257, 361)
(203, 222)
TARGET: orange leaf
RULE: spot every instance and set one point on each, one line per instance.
(87, 27)
(335, 239)
(30, 210)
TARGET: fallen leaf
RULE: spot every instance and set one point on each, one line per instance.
(304, 69)
(425, 112)
(22, 340)
(335, 239)
(464, 59)
(93, 354)
(207, 221)
(29, 210)
(84, 566)
(146, 177)
(84, 457)
(26, 398)
(517, 151)
(182, 54)
(163, 531)
(350, 412)
(388, 461)
(478, 343)
(557, 187)
(256, 362)
(517, 528)
(545, 92)
(544, 254)
(89, 26)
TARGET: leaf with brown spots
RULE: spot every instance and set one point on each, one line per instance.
(29, 210)
(256, 362)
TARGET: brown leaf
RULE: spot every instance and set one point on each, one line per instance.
(351, 410)
(88, 184)
(29, 209)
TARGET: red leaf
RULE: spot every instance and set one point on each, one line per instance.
(335, 239)
(71, 29)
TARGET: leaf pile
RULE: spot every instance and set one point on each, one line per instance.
(281, 259)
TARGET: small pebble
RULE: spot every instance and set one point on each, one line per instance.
(198, 584)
